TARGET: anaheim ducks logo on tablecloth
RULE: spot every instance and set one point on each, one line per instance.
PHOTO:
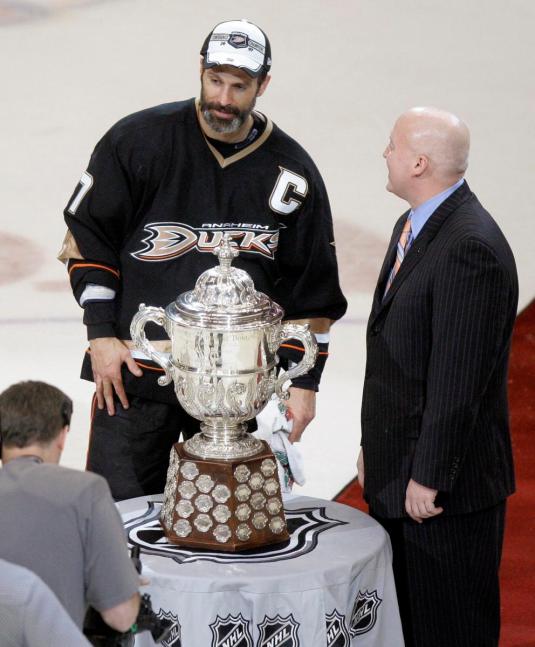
(174, 639)
(232, 631)
(337, 635)
(304, 525)
(278, 631)
(364, 614)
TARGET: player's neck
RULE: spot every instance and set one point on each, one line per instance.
(229, 138)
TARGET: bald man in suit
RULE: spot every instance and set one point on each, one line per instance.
(436, 461)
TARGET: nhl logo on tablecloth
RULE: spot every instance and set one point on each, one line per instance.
(305, 524)
(364, 614)
(174, 639)
(337, 635)
(232, 631)
(278, 632)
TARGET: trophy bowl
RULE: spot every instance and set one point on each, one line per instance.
(223, 364)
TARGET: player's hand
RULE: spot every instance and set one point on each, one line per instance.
(300, 409)
(420, 502)
(360, 468)
(108, 354)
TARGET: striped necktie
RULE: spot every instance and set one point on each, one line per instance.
(404, 243)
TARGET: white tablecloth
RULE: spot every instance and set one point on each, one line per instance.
(330, 586)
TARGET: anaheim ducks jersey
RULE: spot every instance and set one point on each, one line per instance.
(156, 200)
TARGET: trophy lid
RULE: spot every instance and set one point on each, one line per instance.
(224, 296)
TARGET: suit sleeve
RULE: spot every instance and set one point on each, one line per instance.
(98, 217)
(470, 296)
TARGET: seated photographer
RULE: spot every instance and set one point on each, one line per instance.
(60, 523)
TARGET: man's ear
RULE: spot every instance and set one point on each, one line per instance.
(62, 437)
(421, 165)
(262, 87)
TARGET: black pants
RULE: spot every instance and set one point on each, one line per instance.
(446, 574)
(131, 449)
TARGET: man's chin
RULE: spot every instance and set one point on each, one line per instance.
(222, 126)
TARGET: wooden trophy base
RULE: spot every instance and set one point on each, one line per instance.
(223, 505)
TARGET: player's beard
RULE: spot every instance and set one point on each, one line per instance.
(224, 126)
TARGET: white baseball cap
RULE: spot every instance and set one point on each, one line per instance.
(239, 43)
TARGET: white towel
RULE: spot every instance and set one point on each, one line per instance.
(274, 428)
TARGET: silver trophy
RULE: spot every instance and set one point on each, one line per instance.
(223, 363)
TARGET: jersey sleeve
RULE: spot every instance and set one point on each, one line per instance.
(307, 259)
(309, 285)
(98, 216)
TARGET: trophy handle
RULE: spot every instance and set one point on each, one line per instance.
(137, 332)
(295, 331)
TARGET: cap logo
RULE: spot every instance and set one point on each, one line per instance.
(238, 39)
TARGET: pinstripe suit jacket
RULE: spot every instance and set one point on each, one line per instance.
(435, 392)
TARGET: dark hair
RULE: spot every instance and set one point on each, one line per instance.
(229, 68)
(32, 412)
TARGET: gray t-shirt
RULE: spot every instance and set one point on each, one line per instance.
(30, 614)
(63, 525)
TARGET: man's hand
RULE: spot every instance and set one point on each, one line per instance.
(107, 356)
(360, 468)
(301, 409)
(420, 502)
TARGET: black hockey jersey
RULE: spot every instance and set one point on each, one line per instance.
(158, 197)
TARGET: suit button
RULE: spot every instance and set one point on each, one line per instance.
(376, 330)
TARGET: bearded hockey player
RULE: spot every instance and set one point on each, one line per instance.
(162, 188)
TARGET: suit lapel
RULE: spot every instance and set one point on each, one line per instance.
(418, 248)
